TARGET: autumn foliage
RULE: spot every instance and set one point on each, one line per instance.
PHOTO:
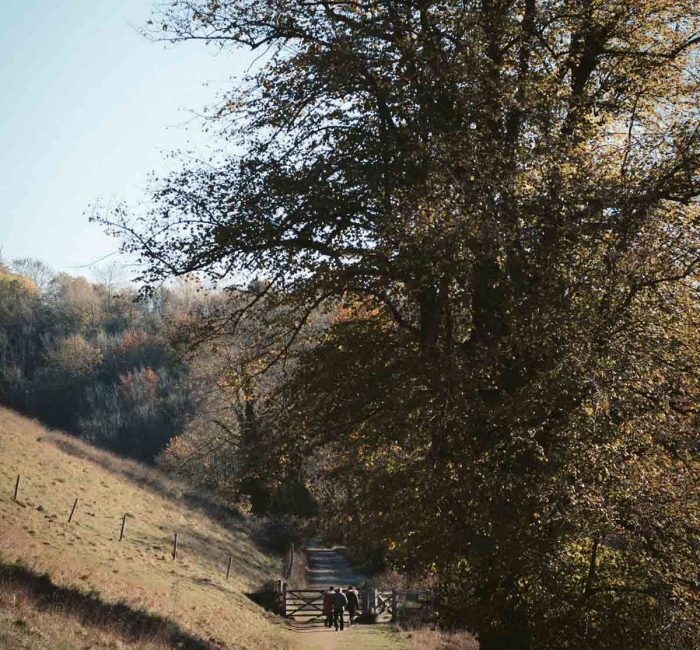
(507, 193)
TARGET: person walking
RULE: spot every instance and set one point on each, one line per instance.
(340, 601)
(328, 606)
(353, 597)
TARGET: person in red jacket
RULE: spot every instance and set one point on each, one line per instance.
(328, 606)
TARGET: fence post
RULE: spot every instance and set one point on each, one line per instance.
(291, 561)
(228, 569)
(14, 498)
(175, 547)
(284, 599)
(121, 532)
(394, 606)
(72, 510)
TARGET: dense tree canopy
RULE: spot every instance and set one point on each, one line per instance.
(498, 201)
(94, 363)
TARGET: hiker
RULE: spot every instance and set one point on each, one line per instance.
(353, 597)
(340, 601)
(328, 606)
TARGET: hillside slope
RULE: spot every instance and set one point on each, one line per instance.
(87, 555)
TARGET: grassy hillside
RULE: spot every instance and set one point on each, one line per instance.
(85, 555)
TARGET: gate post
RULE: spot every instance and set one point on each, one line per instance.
(394, 606)
(284, 599)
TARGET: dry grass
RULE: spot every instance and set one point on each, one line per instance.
(22, 626)
(87, 556)
(426, 639)
(36, 614)
(131, 593)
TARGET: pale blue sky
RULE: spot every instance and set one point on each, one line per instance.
(87, 107)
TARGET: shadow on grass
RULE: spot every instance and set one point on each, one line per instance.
(132, 625)
(266, 597)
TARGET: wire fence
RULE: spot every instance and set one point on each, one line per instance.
(72, 516)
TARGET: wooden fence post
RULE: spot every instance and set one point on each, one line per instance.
(14, 498)
(228, 569)
(284, 600)
(394, 606)
(121, 532)
(291, 561)
(175, 547)
(72, 510)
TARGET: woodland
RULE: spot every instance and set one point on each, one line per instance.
(98, 361)
(445, 280)
(87, 358)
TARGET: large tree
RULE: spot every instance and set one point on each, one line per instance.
(499, 199)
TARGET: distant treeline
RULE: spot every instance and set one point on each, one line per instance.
(94, 359)
(90, 359)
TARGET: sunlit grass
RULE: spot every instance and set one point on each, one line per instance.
(86, 553)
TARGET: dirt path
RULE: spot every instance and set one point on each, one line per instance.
(326, 567)
(358, 637)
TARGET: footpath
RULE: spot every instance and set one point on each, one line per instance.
(326, 567)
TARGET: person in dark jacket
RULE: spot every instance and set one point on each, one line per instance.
(353, 597)
(340, 602)
(328, 606)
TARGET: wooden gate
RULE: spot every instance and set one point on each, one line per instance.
(306, 605)
(384, 605)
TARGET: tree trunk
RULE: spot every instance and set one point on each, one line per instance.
(514, 637)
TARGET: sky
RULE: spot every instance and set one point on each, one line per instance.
(88, 107)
